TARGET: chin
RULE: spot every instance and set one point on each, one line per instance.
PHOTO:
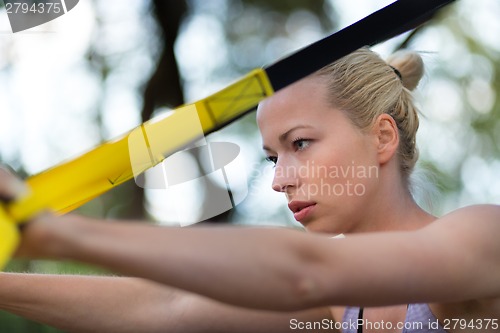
(317, 227)
(321, 226)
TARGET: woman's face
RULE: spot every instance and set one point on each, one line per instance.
(326, 167)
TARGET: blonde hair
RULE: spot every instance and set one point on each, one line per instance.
(364, 86)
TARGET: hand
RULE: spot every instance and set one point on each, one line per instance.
(38, 237)
(36, 232)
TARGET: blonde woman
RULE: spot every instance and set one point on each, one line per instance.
(343, 144)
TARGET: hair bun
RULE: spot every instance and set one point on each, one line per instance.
(410, 65)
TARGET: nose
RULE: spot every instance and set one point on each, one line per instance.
(285, 177)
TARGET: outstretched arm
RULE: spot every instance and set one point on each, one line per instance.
(287, 270)
(116, 304)
(83, 304)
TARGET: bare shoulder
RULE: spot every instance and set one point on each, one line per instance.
(468, 239)
(477, 220)
(470, 231)
(486, 210)
(467, 250)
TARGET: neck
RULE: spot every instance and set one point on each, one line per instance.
(393, 209)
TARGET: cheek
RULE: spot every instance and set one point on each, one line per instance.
(347, 175)
(355, 155)
(342, 165)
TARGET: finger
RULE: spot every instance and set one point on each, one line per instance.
(11, 187)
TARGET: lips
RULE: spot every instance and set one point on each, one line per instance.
(301, 209)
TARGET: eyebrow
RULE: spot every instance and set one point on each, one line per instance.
(283, 137)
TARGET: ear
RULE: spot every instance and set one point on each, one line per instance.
(387, 137)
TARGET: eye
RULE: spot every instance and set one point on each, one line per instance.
(272, 159)
(301, 144)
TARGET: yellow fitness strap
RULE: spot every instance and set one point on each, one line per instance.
(72, 183)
